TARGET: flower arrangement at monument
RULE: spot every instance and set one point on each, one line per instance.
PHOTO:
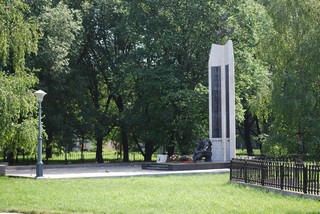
(180, 159)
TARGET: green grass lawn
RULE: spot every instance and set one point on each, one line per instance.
(170, 194)
(243, 152)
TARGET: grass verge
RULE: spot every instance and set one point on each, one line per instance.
(171, 194)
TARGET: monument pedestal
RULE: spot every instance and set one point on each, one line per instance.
(185, 166)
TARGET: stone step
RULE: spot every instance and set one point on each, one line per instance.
(185, 166)
(155, 166)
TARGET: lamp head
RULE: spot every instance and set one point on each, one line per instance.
(40, 94)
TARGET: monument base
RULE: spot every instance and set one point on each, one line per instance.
(219, 152)
(185, 166)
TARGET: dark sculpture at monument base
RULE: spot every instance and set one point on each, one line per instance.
(203, 150)
(184, 162)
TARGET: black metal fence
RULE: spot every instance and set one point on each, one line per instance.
(284, 175)
(74, 157)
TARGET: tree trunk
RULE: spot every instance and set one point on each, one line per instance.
(119, 102)
(99, 156)
(300, 140)
(258, 134)
(49, 147)
(148, 151)
(247, 135)
(170, 150)
(10, 159)
(125, 145)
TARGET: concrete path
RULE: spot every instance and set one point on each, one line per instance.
(98, 171)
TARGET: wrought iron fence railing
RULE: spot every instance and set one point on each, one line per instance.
(284, 175)
(75, 157)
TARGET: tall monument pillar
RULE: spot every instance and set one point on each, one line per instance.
(222, 102)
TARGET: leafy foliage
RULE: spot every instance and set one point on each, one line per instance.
(60, 26)
(137, 70)
(293, 61)
(251, 28)
(18, 38)
(172, 40)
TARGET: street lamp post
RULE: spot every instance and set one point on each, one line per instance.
(39, 167)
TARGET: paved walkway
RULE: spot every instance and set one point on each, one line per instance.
(98, 171)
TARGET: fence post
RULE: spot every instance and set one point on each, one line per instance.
(246, 171)
(263, 173)
(305, 178)
(281, 175)
(231, 165)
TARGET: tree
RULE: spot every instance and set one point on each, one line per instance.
(127, 64)
(149, 58)
(18, 38)
(251, 27)
(173, 40)
(294, 65)
(60, 26)
(102, 64)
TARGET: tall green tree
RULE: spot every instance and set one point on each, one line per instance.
(150, 57)
(102, 64)
(173, 40)
(18, 38)
(293, 61)
(60, 26)
(251, 27)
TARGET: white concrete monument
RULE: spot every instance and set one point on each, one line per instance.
(222, 102)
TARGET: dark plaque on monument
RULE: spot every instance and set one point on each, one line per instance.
(227, 102)
(216, 102)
